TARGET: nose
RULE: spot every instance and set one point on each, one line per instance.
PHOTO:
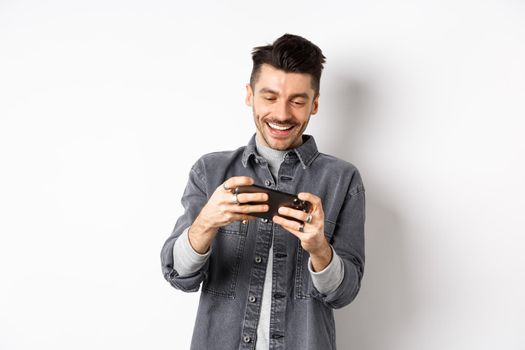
(282, 111)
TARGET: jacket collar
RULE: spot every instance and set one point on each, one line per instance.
(305, 152)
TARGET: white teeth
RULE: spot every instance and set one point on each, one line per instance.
(279, 127)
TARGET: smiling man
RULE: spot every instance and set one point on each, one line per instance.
(271, 284)
(281, 125)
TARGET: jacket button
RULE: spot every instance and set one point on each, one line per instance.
(264, 220)
(268, 183)
(252, 299)
(246, 339)
(244, 222)
(258, 259)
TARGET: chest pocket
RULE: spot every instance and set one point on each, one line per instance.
(303, 282)
(225, 259)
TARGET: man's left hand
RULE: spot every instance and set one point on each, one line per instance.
(310, 230)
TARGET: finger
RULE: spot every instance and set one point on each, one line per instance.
(309, 218)
(242, 198)
(252, 197)
(289, 225)
(242, 217)
(312, 198)
(249, 208)
(294, 213)
(317, 205)
(230, 198)
(237, 181)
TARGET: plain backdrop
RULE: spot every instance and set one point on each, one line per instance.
(106, 104)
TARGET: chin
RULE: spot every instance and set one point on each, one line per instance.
(283, 146)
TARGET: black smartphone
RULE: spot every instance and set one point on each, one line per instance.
(276, 199)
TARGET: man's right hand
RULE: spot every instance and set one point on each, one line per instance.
(223, 208)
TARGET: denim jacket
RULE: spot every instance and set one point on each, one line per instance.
(232, 279)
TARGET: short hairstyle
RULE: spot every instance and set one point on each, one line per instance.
(290, 53)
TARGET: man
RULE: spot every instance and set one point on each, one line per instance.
(271, 284)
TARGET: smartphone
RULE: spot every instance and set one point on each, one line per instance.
(276, 199)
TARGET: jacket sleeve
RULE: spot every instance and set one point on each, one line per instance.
(348, 241)
(193, 199)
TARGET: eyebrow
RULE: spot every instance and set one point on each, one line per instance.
(270, 91)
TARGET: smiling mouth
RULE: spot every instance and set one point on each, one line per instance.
(279, 127)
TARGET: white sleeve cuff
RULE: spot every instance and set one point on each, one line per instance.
(327, 280)
(186, 260)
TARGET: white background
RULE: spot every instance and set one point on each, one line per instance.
(105, 105)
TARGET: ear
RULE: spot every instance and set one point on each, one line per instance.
(249, 95)
(315, 104)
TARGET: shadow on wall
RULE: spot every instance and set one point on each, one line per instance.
(383, 305)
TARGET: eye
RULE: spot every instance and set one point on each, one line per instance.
(298, 103)
(269, 98)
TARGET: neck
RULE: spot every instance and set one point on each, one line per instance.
(261, 142)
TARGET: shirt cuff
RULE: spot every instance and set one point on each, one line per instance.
(327, 280)
(186, 260)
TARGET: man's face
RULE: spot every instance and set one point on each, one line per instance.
(282, 104)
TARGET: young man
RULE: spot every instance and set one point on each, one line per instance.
(271, 284)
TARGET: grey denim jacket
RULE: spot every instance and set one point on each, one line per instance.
(232, 279)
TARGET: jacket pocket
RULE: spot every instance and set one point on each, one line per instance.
(225, 259)
(303, 285)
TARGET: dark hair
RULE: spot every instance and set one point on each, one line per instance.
(290, 53)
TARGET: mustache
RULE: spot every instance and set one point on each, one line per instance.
(281, 122)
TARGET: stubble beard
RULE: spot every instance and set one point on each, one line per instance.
(294, 142)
